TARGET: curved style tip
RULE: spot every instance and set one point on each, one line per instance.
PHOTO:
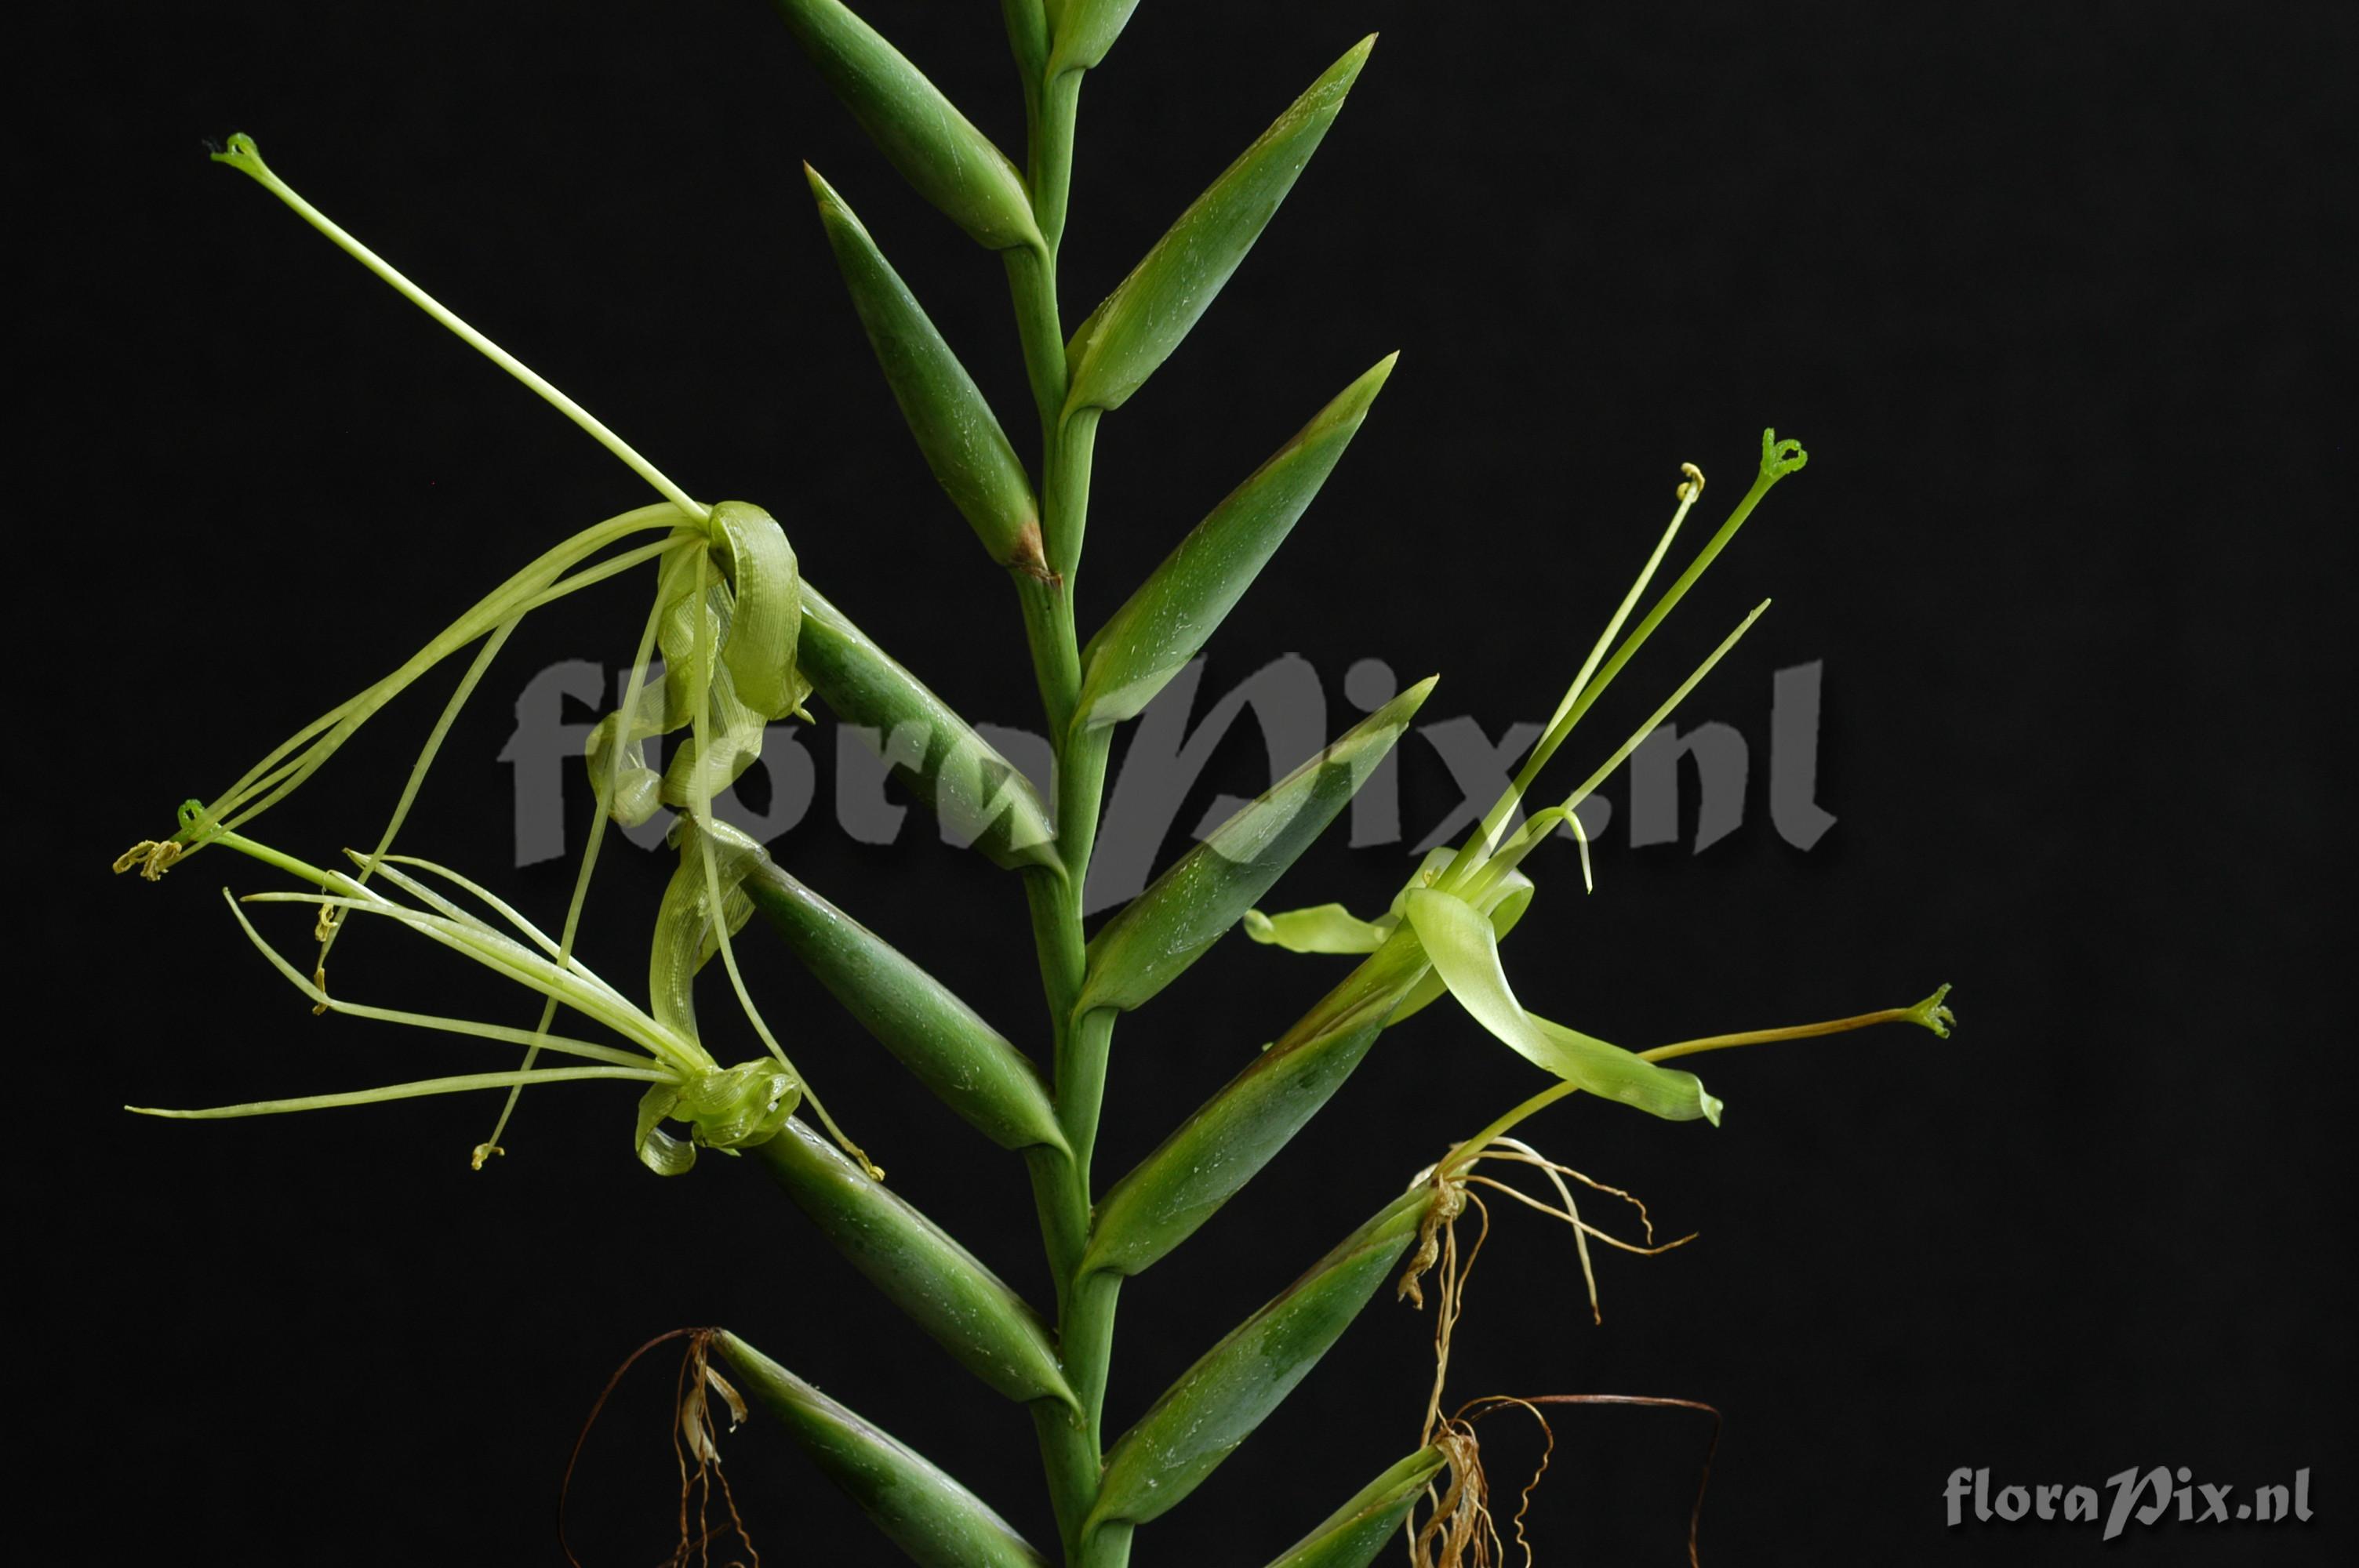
(242, 154)
(1778, 457)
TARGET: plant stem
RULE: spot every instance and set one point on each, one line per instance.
(1052, 154)
(1056, 654)
(1032, 282)
(1071, 1454)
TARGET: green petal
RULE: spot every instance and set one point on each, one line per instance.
(659, 1150)
(1465, 952)
(766, 611)
(685, 937)
(1321, 928)
(1504, 903)
(741, 1107)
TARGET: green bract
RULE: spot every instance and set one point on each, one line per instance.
(1209, 889)
(968, 1064)
(950, 163)
(979, 794)
(936, 1521)
(1225, 1143)
(1085, 29)
(1182, 602)
(1127, 336)
(956, 430)
(1218, 1403)
(744, 640)
(1353, 1534)
(964, 1305)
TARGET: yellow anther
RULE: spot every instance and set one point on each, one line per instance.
(152, 859)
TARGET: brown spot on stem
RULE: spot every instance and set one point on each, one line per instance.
(1029, 557)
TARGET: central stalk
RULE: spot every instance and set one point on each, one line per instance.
(1072, 1453)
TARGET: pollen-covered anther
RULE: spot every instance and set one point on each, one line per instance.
(1690, 488)
(150, 857)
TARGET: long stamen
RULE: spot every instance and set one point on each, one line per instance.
(465, 690)
(1532, 832)
(243, 155)
(1779, 458)
(293, 977)
(625, 719)
(294, 760)
(1561, 722)
(418, 771)
(452, 1085)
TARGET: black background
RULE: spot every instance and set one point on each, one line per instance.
(2042, 288)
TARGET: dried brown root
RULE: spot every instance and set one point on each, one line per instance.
(1462, 1531)
(1522, 1153)
(693, 1436)
(1437, 1246)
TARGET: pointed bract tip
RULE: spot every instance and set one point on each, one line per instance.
(1352, 404)
(824, 193)
(1354, 59)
